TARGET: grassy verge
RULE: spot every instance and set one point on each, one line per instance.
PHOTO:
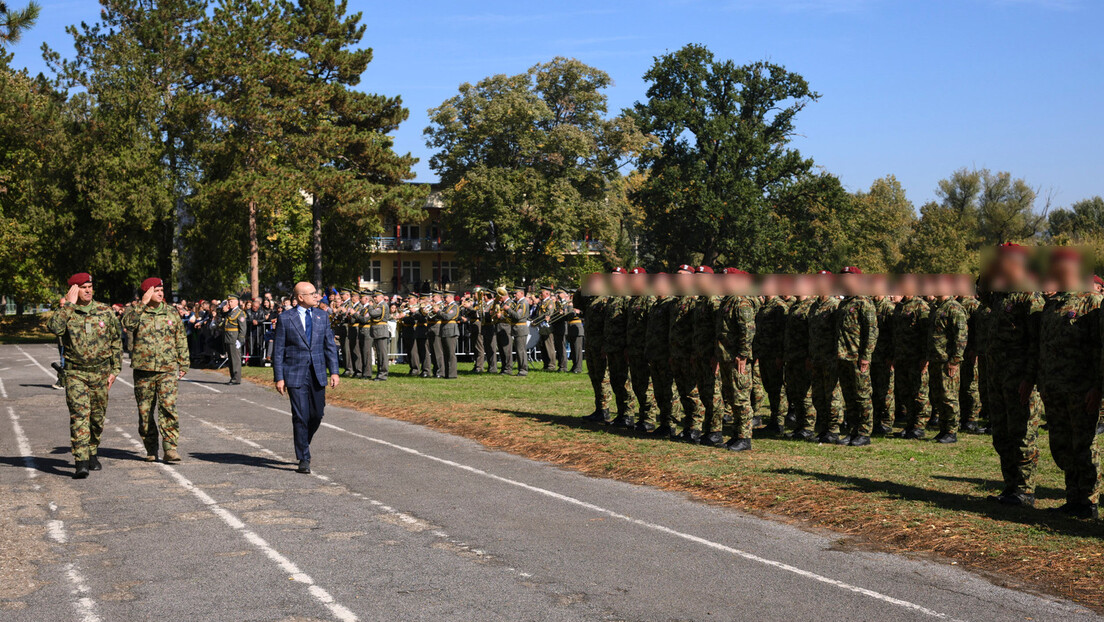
(898, 496)
(23, 329)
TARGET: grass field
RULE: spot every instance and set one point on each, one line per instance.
(21, 329)
(900, 496)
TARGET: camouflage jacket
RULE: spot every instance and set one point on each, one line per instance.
(735, 330)
(972, 307)
(657, 341)
(90, 334)
(1069, 343)
(681, 334)
(796, 343)
(614, 340)
(636, 329)
(910, 329)
(705, 326)
(822, 330)
(883, 348)
(770, 328)
(947, 332)
(856, 325)
(158, 341)
(594, 321)
(1014, 332)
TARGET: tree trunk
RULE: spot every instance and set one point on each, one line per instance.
(254, 252)
(316, 241)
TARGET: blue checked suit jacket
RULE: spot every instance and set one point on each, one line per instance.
(297, 362)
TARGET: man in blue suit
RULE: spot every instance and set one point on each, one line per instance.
(304, 350)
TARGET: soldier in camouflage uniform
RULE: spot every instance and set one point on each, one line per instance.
(615, 344)
(881, 366)
(768, 348)
(657, 349)
(708, 428)
(591, 302)
(93, 357)
(1069, 381)
(856, 327)
(159, 357)
(969, 392)
(636, 334)
(681, 343)
(735, 333)
(822, 362)
(797, 365)
(910, 333)
(1013, 363)
(947, 329)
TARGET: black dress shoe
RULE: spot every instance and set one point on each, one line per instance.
(860, 441)
(712, 439)
(947, 438)
(691, 436)
(82, 469)
(739, 444)
(304, 467)
(94, 463)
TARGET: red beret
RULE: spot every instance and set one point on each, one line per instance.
(1010, 247)
(850, 270)
(638, 271)
(685, 268)
(1065, 252)
(618, 270)
(824, 272)
(704, 270)
(734, 271)
(1099, 281)
(80, 278)
(151, 282)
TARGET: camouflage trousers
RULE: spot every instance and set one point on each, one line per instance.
(640, 376)
(858, 408)
(663, 389)
(736, 390)
(824, 380)
(156, 392)
(983, 383)
(712, 419)
(910, 381)
(86, 396)
(686, 383)
(596, 369)
(619, 380)
(1073, 442)
(944, 393)
(969, 390)
(772, 374)
(758, 393)
(798, 383)
(1015, 426)
(881, 390)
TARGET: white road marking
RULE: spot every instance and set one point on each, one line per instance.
(319, 593)
(35, 361)
(3, 391)
(23, 445)
(198, 384)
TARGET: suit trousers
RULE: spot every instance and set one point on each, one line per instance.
(307, 407)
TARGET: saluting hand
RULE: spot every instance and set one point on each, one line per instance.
(71, 295)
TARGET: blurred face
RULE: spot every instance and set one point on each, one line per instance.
(705, 283)
(617, 284)
(824, 283)
(158, 295)
(638, 284)
(256, 303)
(84, 293)
(661, 285)
(1065, 272)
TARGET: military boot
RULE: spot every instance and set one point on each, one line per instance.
(600, 415)
(171, 455)
(712, 439)
(82, 469)
(624, 420)
(739, 444)
(94, 463)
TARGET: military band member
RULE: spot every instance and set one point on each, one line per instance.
(433, 333)
(379, 316)
(408, 321)
(233, 331)
(471, 314)
(504, 340)
(448, 315)
(518, 314)
(364, 335)
(575, 334)
(546, 310)
(488, 329)
(559, 328)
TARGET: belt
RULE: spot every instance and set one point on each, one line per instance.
(376, 323)
(449, 322)
(230, 330)
(521, 324)
(575, 322)
(97, 366)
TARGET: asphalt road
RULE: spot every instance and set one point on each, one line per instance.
(399, 522)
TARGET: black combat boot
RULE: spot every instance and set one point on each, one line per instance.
(860, 441)
(692, 436)
(600, 415)
(739, 444)
(947, 438)
(828, 438)
(82, 469)
(1015, 498)
(645, 426)
(712, 439)
(94, 463)
(772, 427)
(623, 420)
(665, 431)
(882, 429)
(1081, 509)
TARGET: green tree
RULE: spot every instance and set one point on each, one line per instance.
(14, 21)
(1083, 218)
(881, 221)
(530, 166)
(724, 159)
(941, 242)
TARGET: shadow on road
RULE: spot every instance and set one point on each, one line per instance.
(242, 459)
(37, 385)
(962, 503)
(50, 466)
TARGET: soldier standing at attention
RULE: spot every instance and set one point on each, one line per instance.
(768, 349)
(349, 343)
(1013, 361)
(856, 336)
(503, 336)
(574, 334)
(559, 328)
(797, 368)
(881, 363)
(735, 330)
(946, 349)
(233, 330)
(591, 301)
(615, 344)
(518, 315)
(823, 354)
(364, 335)
(969, 392)
(1069, 381)
(636, 341)
(93, 346)
(450, 334)
(910, 333)
(472, 310)
(707, 429)
(408, 319)
(159, 357)
(489, 329)
(681, 343)
(379, 314)
(546, 309)
(433, 334)
(657, 350)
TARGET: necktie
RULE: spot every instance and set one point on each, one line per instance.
(308, 324)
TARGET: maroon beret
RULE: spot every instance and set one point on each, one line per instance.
(80, 278)
(151, 282)
(704, 270)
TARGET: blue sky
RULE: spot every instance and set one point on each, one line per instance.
(916, 89)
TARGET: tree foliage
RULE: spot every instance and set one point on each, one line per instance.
(14, 21)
